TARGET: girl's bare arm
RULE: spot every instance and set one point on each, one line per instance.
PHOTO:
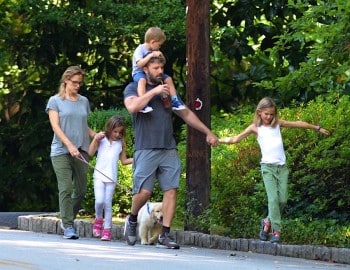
(123, 158)
(305, 125)
(251, 129)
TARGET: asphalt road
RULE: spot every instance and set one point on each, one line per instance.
(25, 250)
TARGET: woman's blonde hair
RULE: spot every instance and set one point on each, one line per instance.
(154, 33)
(69, 73)
(265, 103)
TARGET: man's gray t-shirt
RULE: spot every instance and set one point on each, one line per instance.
(73, 121)
(153, 130)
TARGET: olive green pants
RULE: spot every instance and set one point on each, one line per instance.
(276, 184)
(71, 174)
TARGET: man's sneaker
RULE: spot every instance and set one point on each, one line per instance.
(130, 231)
(265, 229)
(276, 237)
(69, 233)
(177, 105)
(106, 235)
(166, 242)
(146, 109)
(97, 227)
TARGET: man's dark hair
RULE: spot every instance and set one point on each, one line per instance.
(158, 59)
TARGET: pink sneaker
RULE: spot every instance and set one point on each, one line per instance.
(97, 227)
(106, 235)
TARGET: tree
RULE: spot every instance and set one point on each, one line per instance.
(38, 40)
(198, 99)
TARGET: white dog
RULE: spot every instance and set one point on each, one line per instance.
(150, 219)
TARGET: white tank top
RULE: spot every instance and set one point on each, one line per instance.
(271, 145)
(107, 159)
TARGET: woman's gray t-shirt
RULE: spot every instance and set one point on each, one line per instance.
(73, 121)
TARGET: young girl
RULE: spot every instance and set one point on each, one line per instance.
(266, 126)
(110, 146)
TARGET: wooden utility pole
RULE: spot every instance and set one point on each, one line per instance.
(198, 100)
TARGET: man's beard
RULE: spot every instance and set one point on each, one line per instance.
(154, 79)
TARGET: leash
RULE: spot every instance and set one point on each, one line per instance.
(81, 158)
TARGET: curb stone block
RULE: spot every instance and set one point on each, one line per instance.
(244, 245)
(269, 248)
(256, 246)
(306, 252)
(224, 243)
(340, 255)
(286, 250)
(49, 225)
(23, 223)
(213, 241)
(227, 244)
(79, 225)
(120, 232)
(233, 244)
(188, 238)
(322, 253)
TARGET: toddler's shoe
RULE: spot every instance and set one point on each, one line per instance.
(106, 235)
(265, 229)
(177, 105)
(97, 227)
(146, 109)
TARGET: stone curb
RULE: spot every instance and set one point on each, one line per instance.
(49, 223)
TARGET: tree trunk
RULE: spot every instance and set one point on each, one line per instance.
(198, 100)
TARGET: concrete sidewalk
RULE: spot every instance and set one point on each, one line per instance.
(49, 223)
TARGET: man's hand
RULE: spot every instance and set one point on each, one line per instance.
(212, 140)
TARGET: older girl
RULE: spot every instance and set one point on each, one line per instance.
(266, 126)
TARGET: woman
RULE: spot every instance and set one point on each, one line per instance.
(68, 112)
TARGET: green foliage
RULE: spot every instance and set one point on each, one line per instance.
(27, 182)
(327, 232)
(327, 158)
(312, 52)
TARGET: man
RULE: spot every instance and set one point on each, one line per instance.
(155, 154)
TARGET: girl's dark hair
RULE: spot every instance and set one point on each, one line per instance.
(112, 123)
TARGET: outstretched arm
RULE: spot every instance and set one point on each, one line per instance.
(192, 120)
(249, 130)
(302, 124)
